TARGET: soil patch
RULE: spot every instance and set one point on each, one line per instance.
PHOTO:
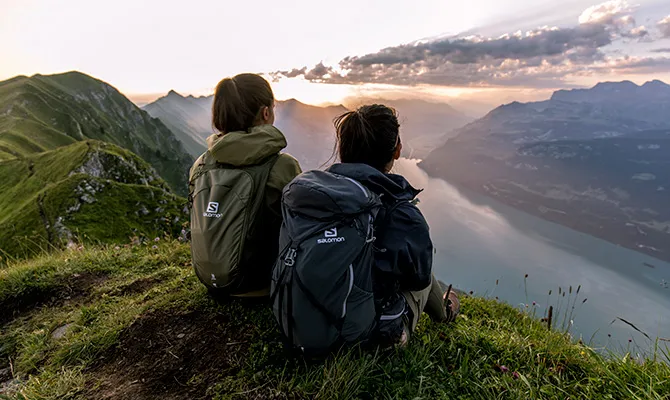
(73, 288)
(138, 286)
(168, 355)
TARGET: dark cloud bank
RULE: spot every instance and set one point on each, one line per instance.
(539, 58)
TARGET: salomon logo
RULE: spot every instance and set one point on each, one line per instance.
(213, 207)
(212, 210)
(330, 237)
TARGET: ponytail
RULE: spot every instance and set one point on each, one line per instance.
(369, 135)
(238, 102)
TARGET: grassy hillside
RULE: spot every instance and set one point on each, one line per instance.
(133, 322)
(89, 190)
(42, 113)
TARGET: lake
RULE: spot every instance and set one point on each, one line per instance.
(480, 241)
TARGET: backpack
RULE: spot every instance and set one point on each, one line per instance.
(227, 209)
(321, 289)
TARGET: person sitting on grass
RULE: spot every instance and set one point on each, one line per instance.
(368, 143)
(235, 190)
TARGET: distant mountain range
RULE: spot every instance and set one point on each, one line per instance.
(42, 113)
(597, 160)
(189, 118)
(424, 125)
(309, 129)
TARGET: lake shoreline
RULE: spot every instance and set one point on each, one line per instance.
(502, 252)
(555, 216)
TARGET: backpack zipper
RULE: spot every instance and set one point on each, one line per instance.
(358, 184)
(351, 286)
(385, 317)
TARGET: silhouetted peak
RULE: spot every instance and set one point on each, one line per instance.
(172, 93)
(656, 84)
(292, 102)
(623, 85)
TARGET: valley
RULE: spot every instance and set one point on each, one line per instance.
(594, 160)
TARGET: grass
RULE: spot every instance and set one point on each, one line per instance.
(88, 189)
(136, 323)
(43, 113)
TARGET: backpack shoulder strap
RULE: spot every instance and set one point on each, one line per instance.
(389, 205)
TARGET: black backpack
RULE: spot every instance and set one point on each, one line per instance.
(321, 284)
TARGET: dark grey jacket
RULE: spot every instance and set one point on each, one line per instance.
(403, 249)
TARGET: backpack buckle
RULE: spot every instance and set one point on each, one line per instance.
(289, 260)
(370, 237)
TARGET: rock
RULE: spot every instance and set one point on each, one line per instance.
(88, 199)
(9, 387)
(60, 332)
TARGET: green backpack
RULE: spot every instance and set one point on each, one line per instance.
(231, 251)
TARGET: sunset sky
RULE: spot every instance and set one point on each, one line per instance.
(326, 51)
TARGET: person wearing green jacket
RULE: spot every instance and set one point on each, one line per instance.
(236, 188)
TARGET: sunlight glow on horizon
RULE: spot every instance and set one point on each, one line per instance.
(149, 47)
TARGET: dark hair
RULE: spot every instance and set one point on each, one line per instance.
(369, 135)
(238, 101)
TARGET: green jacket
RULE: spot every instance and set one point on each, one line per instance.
(250, 148)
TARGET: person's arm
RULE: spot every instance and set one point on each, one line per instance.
(285, 169)
(408, 254)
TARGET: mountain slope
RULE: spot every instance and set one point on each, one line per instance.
(309, 131)
(42, 113)
(89, 190)
(188, 117)
(588, 159)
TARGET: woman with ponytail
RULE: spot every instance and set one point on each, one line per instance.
(368, 143)
(237, 183)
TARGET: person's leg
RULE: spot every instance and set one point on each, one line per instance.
(416, 300)
(442, 304)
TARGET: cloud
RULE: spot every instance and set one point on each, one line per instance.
(641, 33)
(661, 50)
(664, 26)
(610, 13)
(542, 57)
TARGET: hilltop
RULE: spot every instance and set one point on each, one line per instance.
(114, 310)
(87, 190)
(44, 112)
(134, 322)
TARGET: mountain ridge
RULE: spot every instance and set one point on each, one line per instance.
(44, 112)
(309, 129)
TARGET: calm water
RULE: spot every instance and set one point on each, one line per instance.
(479, 241)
